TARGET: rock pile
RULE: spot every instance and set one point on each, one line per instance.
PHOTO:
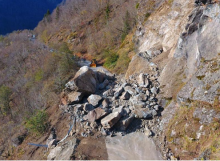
(100, 102)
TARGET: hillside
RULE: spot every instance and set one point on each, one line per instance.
(156, 84)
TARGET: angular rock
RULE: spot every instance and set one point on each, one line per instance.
(104, 84)
(74, 97)
(88, 107)
(95, 114)
(84, 81)
(63, 151)
(94, 99)
(108, 93)
(105, 103)
(143, 113)
(139, 104)
(118, 92)
(125, 96)
(143, 80)
(154, 90)
(130, 90)
(124, 122)
(110, 120)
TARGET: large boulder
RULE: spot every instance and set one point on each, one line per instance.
(74, 97)
(94, 99)
(63, 151)
(96, 114)
(110, 120)
(84, 81)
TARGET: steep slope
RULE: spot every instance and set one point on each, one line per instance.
(184, 47)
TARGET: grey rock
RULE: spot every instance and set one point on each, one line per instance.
(74, 97)
(110, 120)
(139, 104)
(125, 96)
(130, 90)
(104, 84)
(124, 122)
(96, 114)
(108, 93)
(118, 92)
(143, 113)
(88, 107)
(105, 103)
(63, 151)
(154, 90)
(84, 76)
(94, 99)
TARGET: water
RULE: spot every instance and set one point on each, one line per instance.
(23, 14)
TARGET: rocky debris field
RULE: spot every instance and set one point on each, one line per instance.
(101, 103)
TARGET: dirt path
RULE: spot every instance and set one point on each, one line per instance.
(134, 146)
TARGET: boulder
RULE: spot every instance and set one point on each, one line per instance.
(124, 122)
(94, 99)
(88, 107)
(63, 151)
(130, 90)
(118, 92)
(84, 81)
(125, 96)
(110, 120)
(154, 90)
(104, 84)
(143, 113)
(143, 80)
(108, 93)
(105, 103)
(95, 114)
(74, 97)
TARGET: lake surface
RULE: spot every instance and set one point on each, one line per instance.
(23, 14)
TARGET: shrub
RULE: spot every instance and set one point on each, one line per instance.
(39, 75)
(38, 123)
(5, 93)
(111, 59)
(107, 11)
(137, 5)
(127, 26)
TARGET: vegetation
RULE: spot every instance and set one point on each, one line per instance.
(37, 124)
(5, 93)
(111, 59)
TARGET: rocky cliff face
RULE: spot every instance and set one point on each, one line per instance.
(182, 40)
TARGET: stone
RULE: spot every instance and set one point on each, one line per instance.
(96, 114)
(84, 81)
(139, 104)
(118, 92)
(143, 80)
(77, 107)
(108, 93)
(142, 97)
(104, 84)
(110, 120)
(88, 107)
(148, 132)
(105, 103)
(63, 151)
(125, 96)
(94, 99)
(154, 90)
(124, 122)
(143, 113)
(130, 90)
(74, 97)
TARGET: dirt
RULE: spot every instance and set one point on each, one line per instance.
(91, 148)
